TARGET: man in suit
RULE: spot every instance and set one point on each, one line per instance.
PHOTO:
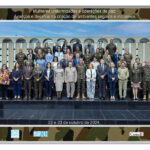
(102, 73)
(55, 47)
(116, 57)
(90, 47)
(76, 60)
(70, 79)
(27, 74)
(64, 62)
(77, 44)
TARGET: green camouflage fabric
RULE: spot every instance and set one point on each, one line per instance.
(85, 134)
(74, 13)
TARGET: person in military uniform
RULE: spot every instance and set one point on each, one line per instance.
(101, 50)
(123, 75)
(108, 61)
(98, 55)
(87, 58)
(105, 55)
(111, 47)
(128, 58)
(38, 83)
(38, 50)
(20, 58)
(81, 77)
(146, 79)
(45, 49)
(121, 61)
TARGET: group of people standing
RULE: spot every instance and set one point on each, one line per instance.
(79, 68)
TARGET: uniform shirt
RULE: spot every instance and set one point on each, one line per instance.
(49, 57)
(123, 73)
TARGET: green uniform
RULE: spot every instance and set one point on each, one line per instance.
(121, 61)
(45, 50)
(128, 58)
(111, 48)
(87, 59)
(146, 79)
(140, 66)
(123, 73)
(98, 56)
(20, 58)
(38, 85)
(102, 51)
(81, 77)
(108, 62)
(38, 51)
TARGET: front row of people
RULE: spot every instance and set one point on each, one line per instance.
(106, 77)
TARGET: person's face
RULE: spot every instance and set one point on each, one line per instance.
(28, 63)
(70, 64)
(41, 56)
(127, 50)
(137, 60)
(77, 41)
(55, 59)
(111, 41)
(20, 51)
(29, 57)
(112, 65)
(30, 51)
(17, 65)
(59, 49)
(90, 66)
(97, 50)
(49, 50)
(108, 57)
(95, 59)
(87, 51)
(38, 44)
(102, 61)
(58, 65)
(46, 45)
(89, 42)
(117, 51)
(57, 44)
(123, 65)
(38, 66)
(66, 42)
(68, 51)
(121, 58)
(4, 67)
(65, 57)
(48, 65)
(147, 63)
(81, 61)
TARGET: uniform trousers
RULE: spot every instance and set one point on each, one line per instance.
(123, 88)
(70, 89)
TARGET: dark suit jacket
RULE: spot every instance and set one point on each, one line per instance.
(112, 75)
(68, 47)
(101, 72)
(27, 73)
(55, 48)
(51, 76)
(75, 62)
(17, 74)
(75, 45)
(64, 63)
(115, 58)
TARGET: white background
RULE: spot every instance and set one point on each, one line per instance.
(75, 146)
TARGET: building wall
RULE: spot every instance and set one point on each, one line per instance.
(9, 46)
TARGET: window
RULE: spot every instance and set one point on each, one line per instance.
(7, 41)
(21, 41)
(34, 40)
(144, 40)
(117, 41)
(92, 41)
(102, 40)
(74, 41)
(48, 41)
(130, 40)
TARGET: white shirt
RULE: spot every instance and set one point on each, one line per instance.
(95, 64)
(48, 72)
(91, 74)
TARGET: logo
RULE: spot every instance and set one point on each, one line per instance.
(40, 134)
(136, 133)
(15, 134)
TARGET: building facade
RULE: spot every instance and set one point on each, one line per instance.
(9, 46)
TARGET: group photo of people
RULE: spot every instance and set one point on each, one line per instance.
(75, 72)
